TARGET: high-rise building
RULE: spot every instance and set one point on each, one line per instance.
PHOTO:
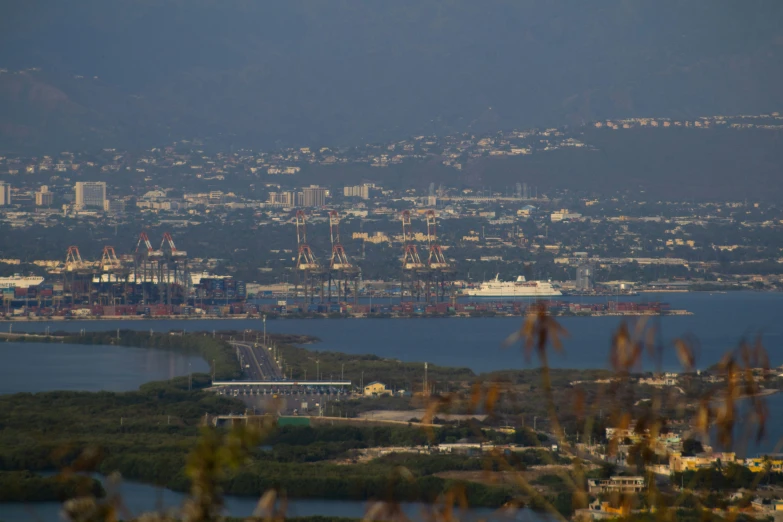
(114, 206)
(90, 194)
(584, 278)
(5, 194)
(313, 196)
(358, 191)
(285, 198)
(44, 198)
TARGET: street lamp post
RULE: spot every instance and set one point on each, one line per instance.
(264, 319)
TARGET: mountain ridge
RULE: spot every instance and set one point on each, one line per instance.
(296, 72)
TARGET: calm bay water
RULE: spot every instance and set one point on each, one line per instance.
(141, 498)
(35, 367)
(719, 321)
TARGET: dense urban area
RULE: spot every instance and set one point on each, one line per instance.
(84, 221)
(176, 231)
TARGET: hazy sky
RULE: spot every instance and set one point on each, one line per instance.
(340, 73)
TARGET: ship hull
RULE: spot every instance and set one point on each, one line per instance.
(512, 293)
(21, 282)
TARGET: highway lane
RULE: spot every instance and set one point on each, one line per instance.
(257, 362)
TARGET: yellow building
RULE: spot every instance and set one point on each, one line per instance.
(376, 389)
(379, 237)
(679, 463)
(759, 464)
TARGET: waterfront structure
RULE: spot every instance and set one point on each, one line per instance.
(90, 194)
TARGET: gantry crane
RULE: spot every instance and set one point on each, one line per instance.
(77, 274)
(145, 267)
(340, 268)
(439, 269)
(173, 270)
(307, 266)
(109, 277)
(412, 266)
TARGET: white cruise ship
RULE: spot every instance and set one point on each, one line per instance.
(19, 281)
(518, 288)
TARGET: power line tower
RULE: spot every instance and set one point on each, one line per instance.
(439, 269)
(307, 266)
(411, 262)
(340, 268)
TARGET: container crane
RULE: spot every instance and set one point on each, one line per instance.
(73, 259)
(77, 273)
(411, 262)
(410, 257)
(436, 260)
(339, 260)
(172, 269)
(305, 258)
(109, 260)
(439, 269)
(339, 265)
(145, 261)
(306, 263)
(109, 276)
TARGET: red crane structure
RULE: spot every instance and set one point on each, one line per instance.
(109, 260)
(173, 275)
(73, 259)
(412, 266)
(340, 268)
(439, 269)
(436, 260)
(307, 266)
